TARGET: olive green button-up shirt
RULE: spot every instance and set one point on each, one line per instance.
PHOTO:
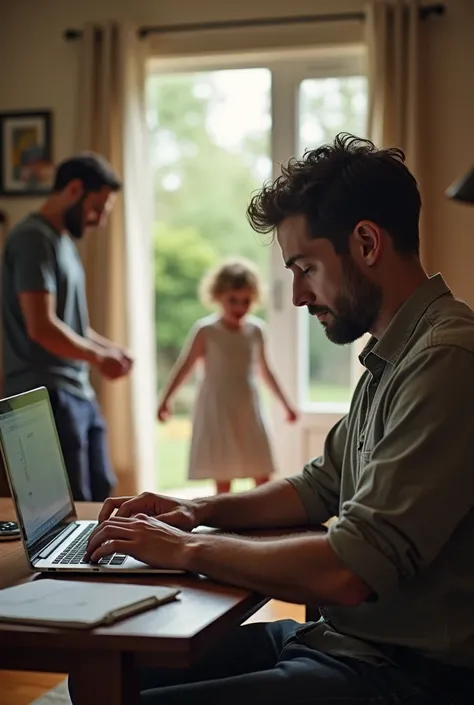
(398, 472)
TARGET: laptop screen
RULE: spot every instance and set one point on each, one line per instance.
(34, 463)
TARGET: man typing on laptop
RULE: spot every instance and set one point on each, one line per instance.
(394, 574)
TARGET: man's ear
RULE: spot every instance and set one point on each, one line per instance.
(75, 189)
(368, 240)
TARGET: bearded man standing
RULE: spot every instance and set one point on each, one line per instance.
(47, 338)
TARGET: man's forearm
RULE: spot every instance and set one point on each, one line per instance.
(302, 568)
(60, 340)
(274, 504)
(97, 339)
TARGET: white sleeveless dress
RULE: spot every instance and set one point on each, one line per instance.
(230, 437)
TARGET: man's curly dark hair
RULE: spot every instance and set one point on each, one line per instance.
(337, 185)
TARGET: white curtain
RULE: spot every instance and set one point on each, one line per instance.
(118, 262)
(393, 43)
(393, 40)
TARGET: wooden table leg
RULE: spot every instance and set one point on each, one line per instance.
(105, 678)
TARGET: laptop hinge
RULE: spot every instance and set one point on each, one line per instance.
(45, 551)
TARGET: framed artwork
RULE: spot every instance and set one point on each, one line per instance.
(26, 162)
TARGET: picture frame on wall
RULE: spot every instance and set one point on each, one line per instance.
(26, 160)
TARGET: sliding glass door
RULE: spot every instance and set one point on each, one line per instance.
(220, 128)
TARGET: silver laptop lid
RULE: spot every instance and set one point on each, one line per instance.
(35, 468)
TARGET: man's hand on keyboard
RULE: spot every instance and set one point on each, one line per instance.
(145, 538)
(183, 514)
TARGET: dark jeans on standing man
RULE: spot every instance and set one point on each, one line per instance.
(83, 437)
(262, 664)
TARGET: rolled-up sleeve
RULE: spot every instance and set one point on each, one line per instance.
(418, 483)
(320, 482)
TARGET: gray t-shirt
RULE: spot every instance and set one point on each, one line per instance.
(39, 258)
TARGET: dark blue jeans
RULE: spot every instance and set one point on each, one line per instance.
(264, 663)
(83, 437)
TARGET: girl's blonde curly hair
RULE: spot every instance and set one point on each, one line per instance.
(231, 275)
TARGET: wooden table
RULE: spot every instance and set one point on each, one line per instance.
(106, 660)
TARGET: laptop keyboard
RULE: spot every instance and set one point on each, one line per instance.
(75, 552)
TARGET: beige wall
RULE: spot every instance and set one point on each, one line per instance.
(38, 70)
(449, 142)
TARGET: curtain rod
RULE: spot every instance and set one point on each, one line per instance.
(426, 11)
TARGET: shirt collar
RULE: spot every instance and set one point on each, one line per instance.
(394, 339)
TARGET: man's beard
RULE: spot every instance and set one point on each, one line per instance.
(74, 220)
(356, 308)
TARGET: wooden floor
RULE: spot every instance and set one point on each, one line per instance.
(21, 688)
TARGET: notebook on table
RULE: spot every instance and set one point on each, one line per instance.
(78, 605)
(54, 538)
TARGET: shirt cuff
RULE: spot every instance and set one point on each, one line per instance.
(315, 509)
(366, 561)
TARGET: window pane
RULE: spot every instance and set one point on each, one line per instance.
(328, 106)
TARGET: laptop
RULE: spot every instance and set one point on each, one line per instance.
(54, 538)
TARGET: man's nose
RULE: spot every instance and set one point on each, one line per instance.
(301, 295)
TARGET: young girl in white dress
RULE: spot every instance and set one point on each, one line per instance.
(229, 438)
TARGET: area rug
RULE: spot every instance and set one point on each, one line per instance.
(57, 696)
